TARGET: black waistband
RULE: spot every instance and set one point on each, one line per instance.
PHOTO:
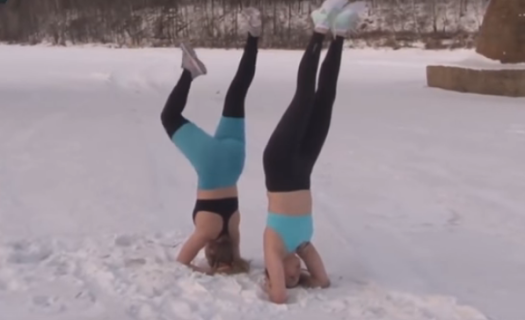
(224, 207)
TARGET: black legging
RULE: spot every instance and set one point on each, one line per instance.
(171, 116)
(296, 142)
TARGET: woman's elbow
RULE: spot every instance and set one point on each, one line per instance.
(278, 298)
(325, 284)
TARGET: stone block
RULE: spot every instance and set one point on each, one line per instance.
(501, 82)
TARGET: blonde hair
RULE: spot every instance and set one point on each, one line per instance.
(220, 256)
(303, 280)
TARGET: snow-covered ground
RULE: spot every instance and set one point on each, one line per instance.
(419, 193)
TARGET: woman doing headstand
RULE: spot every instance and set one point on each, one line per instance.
(291, 153)
(218, 160)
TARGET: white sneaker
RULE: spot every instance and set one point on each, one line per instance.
(324, 16)
(251, 21)
(191, 62)
(348, 19)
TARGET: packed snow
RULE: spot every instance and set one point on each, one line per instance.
(478, 62)
(419, 192)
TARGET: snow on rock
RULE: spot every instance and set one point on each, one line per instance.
(479, 62)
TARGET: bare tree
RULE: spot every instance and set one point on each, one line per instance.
(213, 23)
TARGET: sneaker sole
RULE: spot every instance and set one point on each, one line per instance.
(335, 5)
(193, 58)
(324, 23)
(331, 15)
(336, 9)
(252, 18)
(356, 7)
(353, 9)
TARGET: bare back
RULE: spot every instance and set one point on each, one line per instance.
(293, 203)
(229, 192)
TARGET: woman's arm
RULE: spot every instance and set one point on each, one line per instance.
(276, 283)
(191, 249)
(276, 286)
(238, 265)
(235, 237)
(314, 264)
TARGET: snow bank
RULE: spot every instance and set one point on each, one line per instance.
(134, 277)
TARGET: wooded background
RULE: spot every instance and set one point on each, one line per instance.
(214, 23)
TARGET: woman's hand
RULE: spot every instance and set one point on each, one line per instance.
(307, 281)
(204, 270)
(266, 286)
(314, 265)
(237, 266)
(224, 268)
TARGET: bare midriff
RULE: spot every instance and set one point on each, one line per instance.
(294, 203)
(229, 192)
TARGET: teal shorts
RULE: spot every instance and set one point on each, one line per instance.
(218, 159)
(293, 230)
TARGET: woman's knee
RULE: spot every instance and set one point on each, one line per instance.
(172, 123)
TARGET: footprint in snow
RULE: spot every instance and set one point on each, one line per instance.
(28, 253)
(46, 304)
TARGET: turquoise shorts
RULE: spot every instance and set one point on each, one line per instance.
(218, 159)
(293, 230)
